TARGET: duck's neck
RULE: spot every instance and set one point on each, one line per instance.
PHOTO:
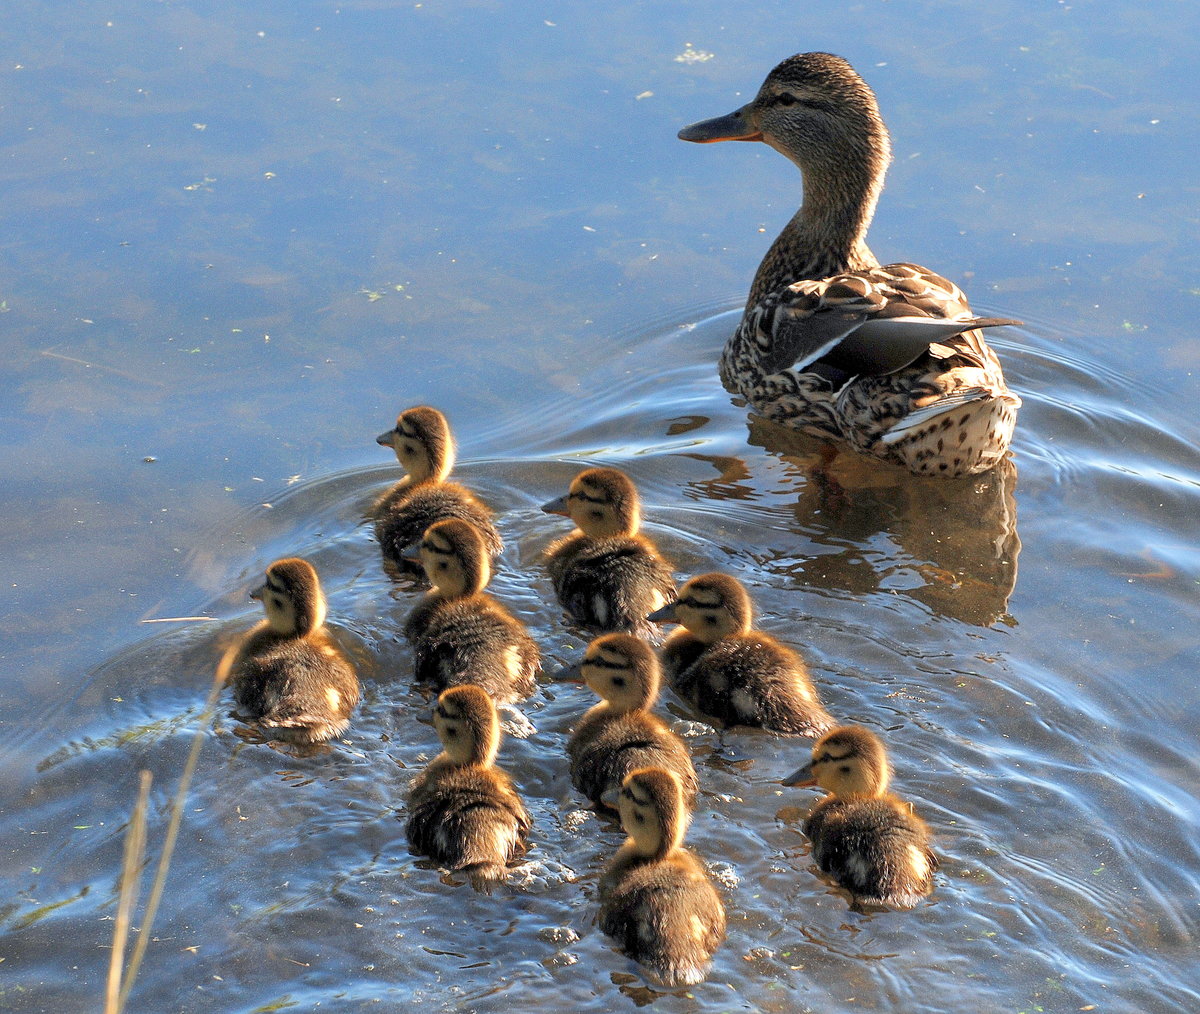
(826, 236)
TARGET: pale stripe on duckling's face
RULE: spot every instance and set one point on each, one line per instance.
(639, 818)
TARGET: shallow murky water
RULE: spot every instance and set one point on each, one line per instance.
(1024, 641)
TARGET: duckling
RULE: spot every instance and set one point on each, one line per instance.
(425, 448)
(459, 633)
(606, 575)
(887, 358)
(869, 841)
(463, 811)
(656, 899)
(620, 733)
(287, 674)
(730, 672)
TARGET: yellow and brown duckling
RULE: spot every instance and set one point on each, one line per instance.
(656, 899)
(621, 734)
(288, 675)
(730, 672)
(424, 447)
(607, 575)
(889, 357)
(869, 841)
(459, 633)
(463, 811)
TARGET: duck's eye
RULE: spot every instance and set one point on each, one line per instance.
(618, 681)
(786, 99)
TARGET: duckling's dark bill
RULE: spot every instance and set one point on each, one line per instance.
(557, 506)
(664, 615)
(733, 127)
(801, 777)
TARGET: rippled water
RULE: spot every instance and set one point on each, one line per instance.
(1025, 641)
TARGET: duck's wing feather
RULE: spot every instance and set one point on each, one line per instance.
(863, 323)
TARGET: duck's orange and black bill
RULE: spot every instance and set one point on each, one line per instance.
(734, 127)
(801, 777)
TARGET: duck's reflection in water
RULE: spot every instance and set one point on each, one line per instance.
(866, 527)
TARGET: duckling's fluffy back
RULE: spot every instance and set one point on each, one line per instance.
(468, 818)
(404, 512)
(610, 583)
(877, 849)
(605, 748)
(664, 913)
(301, 690)
(748, 679)
(473, 640)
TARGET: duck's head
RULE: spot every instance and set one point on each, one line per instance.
(711, 606)
(466, 723)
(455, 558)
(422, 442)
(623, 671)
(848, 761)
(602, 502)
(652, 811)
(816, 110)
(292, 597)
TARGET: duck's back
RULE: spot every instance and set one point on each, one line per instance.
(604, 749)
(404, 512)
(750, 679)
(612, 583)
(473, 640)
(877, 849)
(303, 689)
(665, 914)
(466, 817)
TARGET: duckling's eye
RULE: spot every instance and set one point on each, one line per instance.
(845, 769)
(451, 731)
(277, 601)
(598, 515)
(710, 620)
(638, 817)
(618, 681)
(442, 565)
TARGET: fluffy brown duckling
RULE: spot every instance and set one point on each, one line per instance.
(869, 841)
(656, 899)
(425, 449)
(463, 811)
(459, 633)
(730, 672)
(606, 575)
(621, 734)
(287, 674)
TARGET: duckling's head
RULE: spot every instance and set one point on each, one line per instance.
(623, 670)
(455, 558)
(711, 606)
(466, 723)
(422, 442)
(292, 597)
(816, 110)
(849, 761)
(652, 811)
(602, 502)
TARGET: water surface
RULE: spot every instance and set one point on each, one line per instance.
(239, 241)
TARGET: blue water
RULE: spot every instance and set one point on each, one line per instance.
(238, 241)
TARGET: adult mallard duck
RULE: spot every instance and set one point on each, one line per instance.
(424, 446)
(886, 357)
(869, 841)
(289, 677)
